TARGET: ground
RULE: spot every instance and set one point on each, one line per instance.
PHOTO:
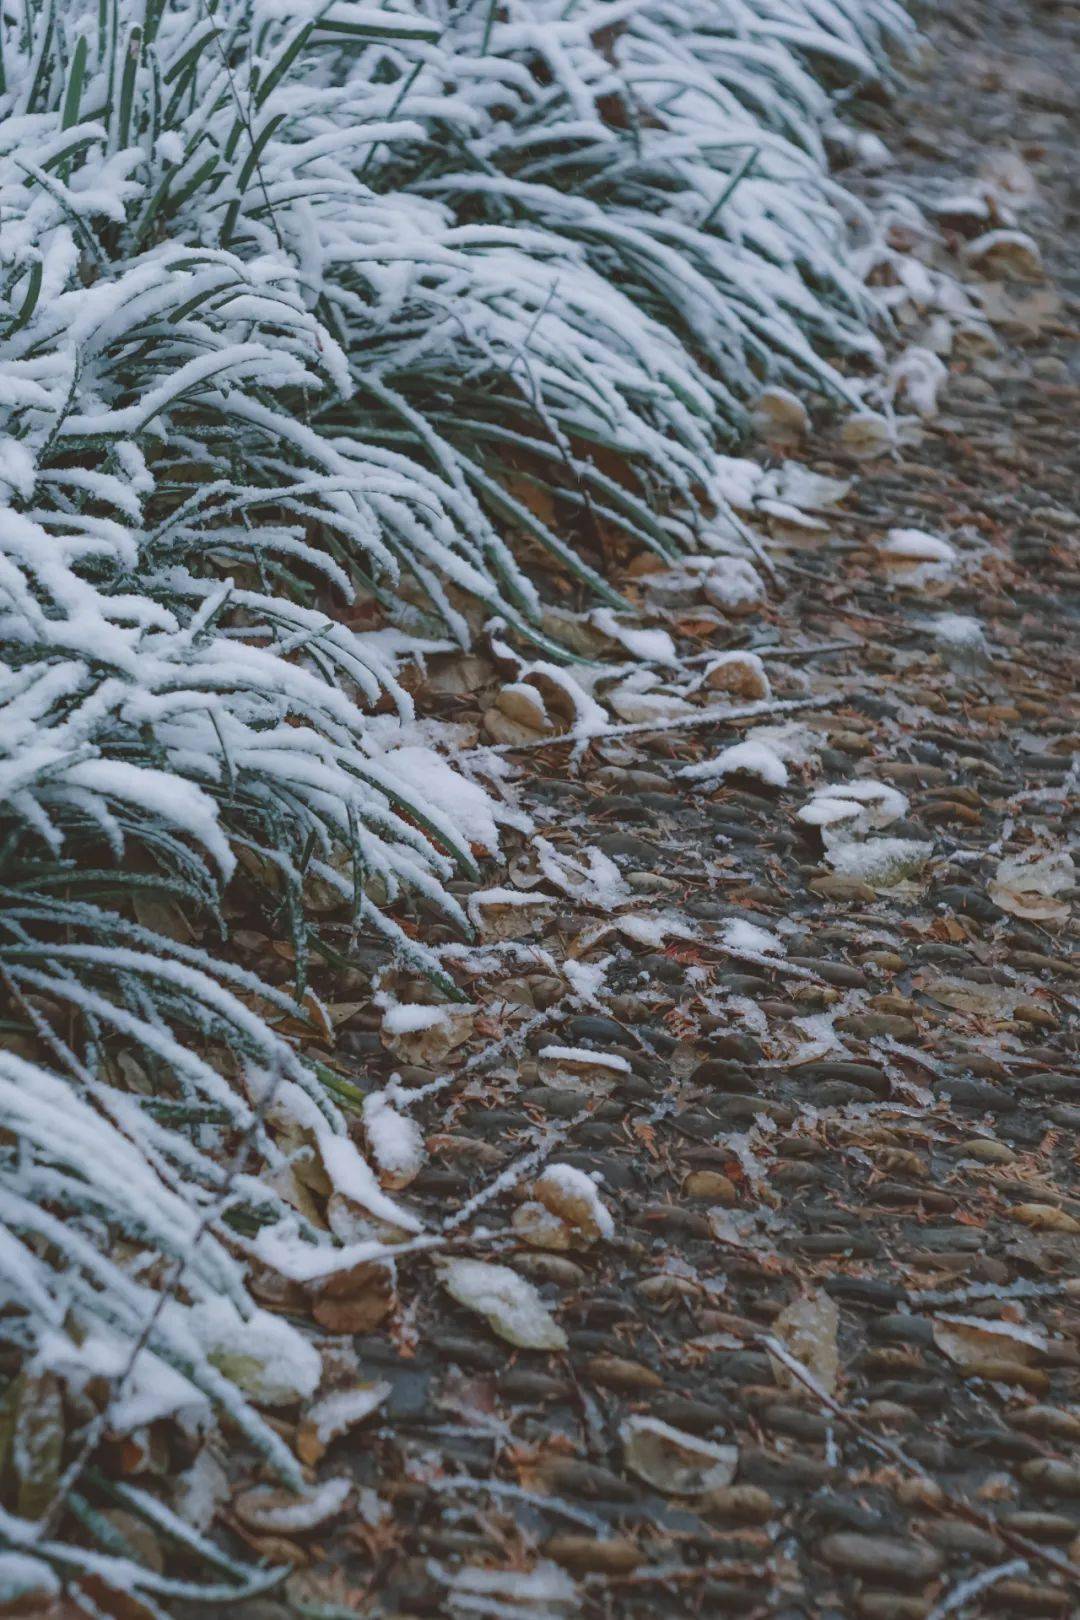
(814, 1165)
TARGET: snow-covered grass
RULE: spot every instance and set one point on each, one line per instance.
(318, 324)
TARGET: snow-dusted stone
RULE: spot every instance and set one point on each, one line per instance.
(740, 673)
(911, 557)
(914, 545)
(858, 805)
(574, 1197)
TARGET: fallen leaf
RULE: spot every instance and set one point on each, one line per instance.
(808, 1328)
(673, 1461)
(512, 1307)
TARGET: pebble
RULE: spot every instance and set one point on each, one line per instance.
(620, 1373)
(1050, 1527)
(959, 1536)
(710, 1185)
(1028, 1597)
(890, 1606)
(589, 1555)
(737, 1504)
(1052, 1477)
(777, 1472)
(881, 1557)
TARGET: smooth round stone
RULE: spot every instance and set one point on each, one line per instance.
(881, 1557)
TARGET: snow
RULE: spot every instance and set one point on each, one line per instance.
(733, 584)
(570, 1187)
(882, 861)
(263, 1507)
(751, 758)
(512, 1306)
(582, 1054)
(396, 1141)
(285, 1367)
(544, 1590)
(957, 629)
(586, 979)
(917, 546)
(592, 878)
(25, 1579)
(405, 1018)
(335, 1414)
(863, 803)
(653, 646)
(744, 938)
(464, 804)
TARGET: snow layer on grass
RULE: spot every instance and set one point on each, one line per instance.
(266, 1354)
(24, 1579)
(438, 786)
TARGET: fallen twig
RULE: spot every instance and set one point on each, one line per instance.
(715, 715)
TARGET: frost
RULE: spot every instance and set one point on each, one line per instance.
(512, 1306)
(880, 862)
